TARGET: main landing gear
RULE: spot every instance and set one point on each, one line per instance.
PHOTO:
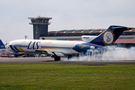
(69, 57)
(16, 55)
(56, 58)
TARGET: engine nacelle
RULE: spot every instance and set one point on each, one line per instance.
(83, 48)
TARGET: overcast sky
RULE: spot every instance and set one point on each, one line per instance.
(66, 15)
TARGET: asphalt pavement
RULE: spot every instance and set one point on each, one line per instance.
(49, 60)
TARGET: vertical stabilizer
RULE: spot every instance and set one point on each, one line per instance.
(2, 46)
(109, 36)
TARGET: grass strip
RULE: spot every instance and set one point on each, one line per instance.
(65, 77)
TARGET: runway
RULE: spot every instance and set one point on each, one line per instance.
(49, 60)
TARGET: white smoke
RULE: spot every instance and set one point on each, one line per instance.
(109, 53)
(119, 54)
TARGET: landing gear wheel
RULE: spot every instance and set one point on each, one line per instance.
(69, 57)
(16, 55)
(56, 58)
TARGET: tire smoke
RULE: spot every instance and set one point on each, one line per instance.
(108, 53)
(115, 53)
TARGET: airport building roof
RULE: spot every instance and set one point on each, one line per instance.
(85, 31)
(125, 41)
(81, 32)
(78, 31)
(39, 18)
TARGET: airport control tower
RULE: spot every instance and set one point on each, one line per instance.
(40, 26)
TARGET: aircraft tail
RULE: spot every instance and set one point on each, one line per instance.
(2, 46)
(109, 36)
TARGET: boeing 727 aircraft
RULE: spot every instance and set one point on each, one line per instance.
(59, 48)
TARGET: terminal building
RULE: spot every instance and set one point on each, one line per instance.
(40, 31)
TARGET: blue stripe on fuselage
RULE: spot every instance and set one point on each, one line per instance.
(14, 48)
(56, 47)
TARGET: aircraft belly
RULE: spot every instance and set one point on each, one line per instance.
(61, 52)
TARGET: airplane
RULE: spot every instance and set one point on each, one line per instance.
(60, 48)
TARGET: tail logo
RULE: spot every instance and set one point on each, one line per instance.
(108, 38)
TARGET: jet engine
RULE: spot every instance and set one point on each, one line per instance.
(83, 48)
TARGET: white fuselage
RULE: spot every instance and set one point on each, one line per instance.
(60, 48)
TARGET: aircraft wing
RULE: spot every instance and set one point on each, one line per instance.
(54, 53)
